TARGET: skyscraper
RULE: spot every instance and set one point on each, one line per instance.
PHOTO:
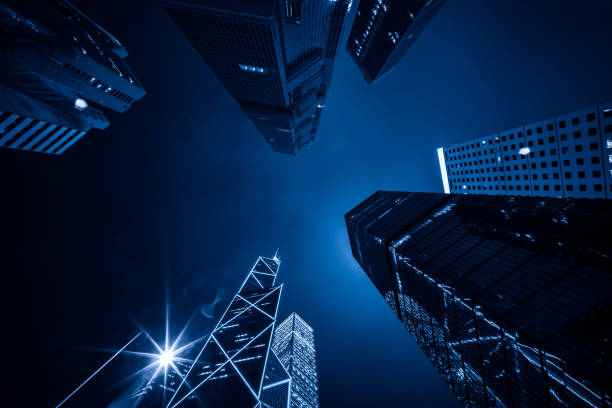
(56, 66)
(275, 57)
(384, 30)
(509, 297)
(293, 343)
(567, 156)
(236, 368)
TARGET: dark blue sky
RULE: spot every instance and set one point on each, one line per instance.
(182, 191)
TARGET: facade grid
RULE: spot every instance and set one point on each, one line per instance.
(293, 343)
(274, 57)
(568, 156)
(507, 296)
(56, 66)
(384, 30)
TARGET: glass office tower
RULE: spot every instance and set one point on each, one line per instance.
(56, 67)
(384, 30)
(508, 296)
(236, 368)
(293, 343)
(567, 156)
(275, 57)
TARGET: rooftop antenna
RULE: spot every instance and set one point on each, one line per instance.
(276, 258)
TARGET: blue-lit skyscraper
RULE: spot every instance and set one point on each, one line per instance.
(567, 156)
(384, 30)
(236, 367)
(56, 68)
(293, 343)
(275, 57)
(509, 297)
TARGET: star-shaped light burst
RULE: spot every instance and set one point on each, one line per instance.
(164, 359)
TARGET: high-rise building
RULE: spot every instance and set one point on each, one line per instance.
(293, 343)
(275, 57)
(56, 67)
(508, 296)
(236, 368)
(384, 30)
(567, 156)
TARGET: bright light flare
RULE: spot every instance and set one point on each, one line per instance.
(166, 358)
(80, 103)
(524, 151)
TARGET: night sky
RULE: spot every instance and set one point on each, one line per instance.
(181, 193)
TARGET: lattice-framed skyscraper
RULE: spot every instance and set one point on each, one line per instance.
(293, 343)
(275, 57)
(508, 296)
(56, 65)
(236, 367)
(567, 156)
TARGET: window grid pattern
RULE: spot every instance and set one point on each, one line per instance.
(293, 342)
(275, 68)
(506, 318)
(516, 165)
(59, 56)
(476, 167)
(544, 160)
(570, 156)
(384, 30)
(580, 153)
(225, 43)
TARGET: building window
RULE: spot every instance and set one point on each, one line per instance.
(594, 145)
(252, 68)
(578, 148)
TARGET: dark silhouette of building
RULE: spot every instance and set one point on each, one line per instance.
(275, 57)
(293, 343)
(384, 30)
(509, 297)
(236, 368)
(56, 65)
(570, 156)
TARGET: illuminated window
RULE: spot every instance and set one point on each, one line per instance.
(251, 68)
